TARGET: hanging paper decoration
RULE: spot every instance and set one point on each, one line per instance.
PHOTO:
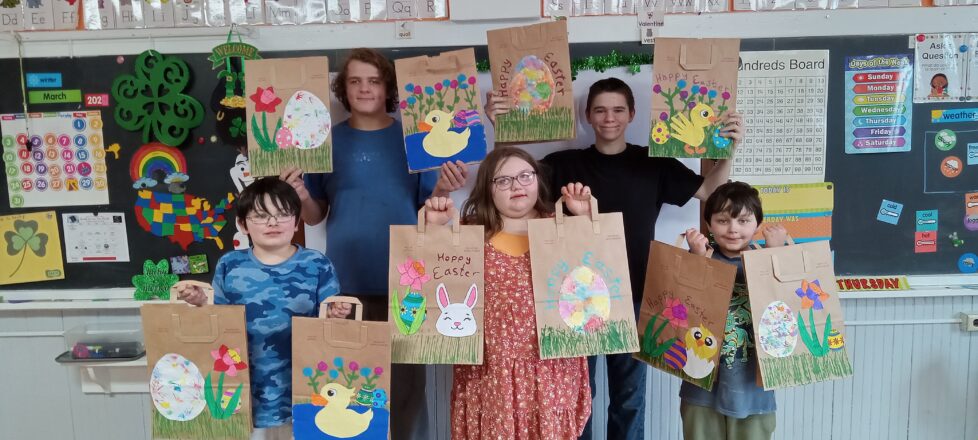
(153, 99)
(228, 99)
(163, 208)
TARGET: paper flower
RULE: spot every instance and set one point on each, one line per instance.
(811, 295)
(676, 313)
(228, 360)
(413, 274)
(265, 100)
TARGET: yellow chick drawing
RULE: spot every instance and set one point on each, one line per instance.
(690, 130)
(440, 141)
(335, 418)
(701, 346)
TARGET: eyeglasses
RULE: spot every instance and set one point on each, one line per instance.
(263, 219)
(506, 182)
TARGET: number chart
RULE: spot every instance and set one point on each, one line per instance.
(782, 96)
(54, 159)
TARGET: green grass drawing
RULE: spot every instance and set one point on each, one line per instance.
(675, 148)
(803, 368)
(562, 342)
(652, 350)
(518, 126)
(271, 164)
(436, 349)
(204, 426)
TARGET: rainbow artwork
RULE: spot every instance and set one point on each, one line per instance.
(160, 176)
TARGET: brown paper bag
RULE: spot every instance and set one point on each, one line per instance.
(436, 278)
(288, 118)
(793, 296)
(694, 88)
(340, 376)
(581, 288)
(441, 110)
(531, 68)
(199, 372)
(684, 312)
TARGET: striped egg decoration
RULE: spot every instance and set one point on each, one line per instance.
(466, 118)
(675, 356)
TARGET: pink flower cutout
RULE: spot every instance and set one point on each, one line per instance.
(675, 312)
(413, 274)
(228, 360)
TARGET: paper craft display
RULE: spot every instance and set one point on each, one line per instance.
(180, 265)
(436, 279)
(128, 14)
(189, 13)
(31, 248)
(228, 99)
(199, 372)
(95, 237)
(246, 12)
(805, 210)
(684, 314)
(694, 88)
(67, 14)
(153, 100)
(340, 378)
(159, 13)
(241, 177)
(793, 296)
(155, 281)
(441, 110)
(39, 15)
(531, 69)
(582, 292)
(163, 208)
(54, 159)
(782, 96)
(940, 68)
(11, 15)
(284, 11)
(879, 104)
(298, 133)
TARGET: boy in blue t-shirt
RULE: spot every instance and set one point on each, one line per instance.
(275, 280)
(736, 409)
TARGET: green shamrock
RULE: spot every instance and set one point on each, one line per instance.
(237, 127)
(25, 236)
(155, 281)
(153, 101)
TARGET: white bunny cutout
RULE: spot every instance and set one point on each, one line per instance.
(457, 319)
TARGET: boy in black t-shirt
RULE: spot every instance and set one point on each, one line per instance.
(625, 179)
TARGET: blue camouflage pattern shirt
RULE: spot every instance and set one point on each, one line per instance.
(272, 295)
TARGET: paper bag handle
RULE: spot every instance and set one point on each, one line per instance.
(456, 227)
(283, 85)
(807, 260)
(208, 338)
(357, 316)
(685, 64)
(208, 290)
(682, 237)
(442, 63)
(559, 211)
(328, 335)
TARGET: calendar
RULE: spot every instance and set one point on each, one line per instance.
(782, 97)
(54, 159)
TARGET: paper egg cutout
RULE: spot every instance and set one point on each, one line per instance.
(308, 120)
(532, 87)
(720, 141)
(675, 356)
(176, 388)
(836, 341)
(778, 330)
(585, 303)
(226, 400)
(283, 138)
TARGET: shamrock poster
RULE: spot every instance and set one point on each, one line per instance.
(298, 133)
(31, 248)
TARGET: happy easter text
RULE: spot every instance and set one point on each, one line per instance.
(550, 59)
(448, 265)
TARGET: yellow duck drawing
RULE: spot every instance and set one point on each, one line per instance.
(440, 141)
(701, 346)
(691, 130)
(335, 418)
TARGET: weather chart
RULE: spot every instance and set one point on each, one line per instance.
(54, 159)
(782, 96)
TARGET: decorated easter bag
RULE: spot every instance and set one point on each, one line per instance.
(199, 373)
(436, 278)
(581, 288)
(531, 69)
(340, 376)
(793, 296)
(288, 120)
(441, 110)
(694, 88)
(683, 316)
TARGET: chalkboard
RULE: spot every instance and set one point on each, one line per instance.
(862, 244)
